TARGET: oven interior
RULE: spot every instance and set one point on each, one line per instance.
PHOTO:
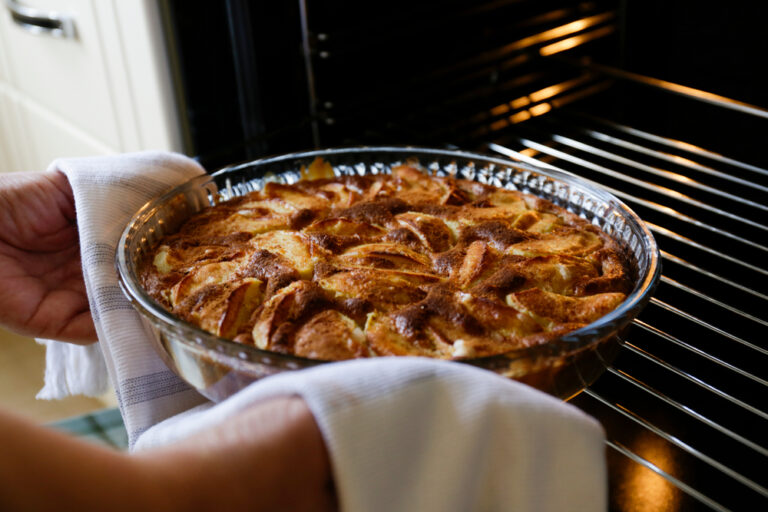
(636, 96)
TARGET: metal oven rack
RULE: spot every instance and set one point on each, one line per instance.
(684, 403)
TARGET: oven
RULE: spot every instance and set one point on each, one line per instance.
(660, 104)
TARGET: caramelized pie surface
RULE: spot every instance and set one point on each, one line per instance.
(401, 264)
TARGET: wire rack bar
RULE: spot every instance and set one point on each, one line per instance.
(720, 254)
(640, 183)
(634, 199)
(688, 411)
(721, 332)
(668, 157)
(700, 353)
(680, 261)
(690, 491)
(680, 145)
(685, 218)
(672, 176)
(679, 443)
(712, 300)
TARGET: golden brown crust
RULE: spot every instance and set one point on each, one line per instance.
(337, 268)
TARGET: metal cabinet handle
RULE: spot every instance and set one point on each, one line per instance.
(38, 21)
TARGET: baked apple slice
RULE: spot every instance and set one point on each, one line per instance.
(550, 309)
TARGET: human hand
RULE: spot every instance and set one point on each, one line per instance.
(42, 292)
(268, 457)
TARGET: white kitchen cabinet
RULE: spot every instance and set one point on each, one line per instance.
(105, 90)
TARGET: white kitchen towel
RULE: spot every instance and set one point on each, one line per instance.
(108, 190)
(412, 434)
(73, 370)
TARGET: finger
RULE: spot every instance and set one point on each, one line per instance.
(63, 315)
(66, 201)
(80, 330)
(38, 209)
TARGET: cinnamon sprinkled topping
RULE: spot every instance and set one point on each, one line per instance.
(359, 266)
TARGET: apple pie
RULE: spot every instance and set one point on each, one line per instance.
(400, 264)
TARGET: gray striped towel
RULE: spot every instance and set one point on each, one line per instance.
(108, 190)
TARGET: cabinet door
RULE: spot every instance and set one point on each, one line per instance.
(107, 89)
(65, 76)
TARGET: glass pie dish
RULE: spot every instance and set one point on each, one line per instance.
(218, 367)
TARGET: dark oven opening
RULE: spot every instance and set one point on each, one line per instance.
(663, 105)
